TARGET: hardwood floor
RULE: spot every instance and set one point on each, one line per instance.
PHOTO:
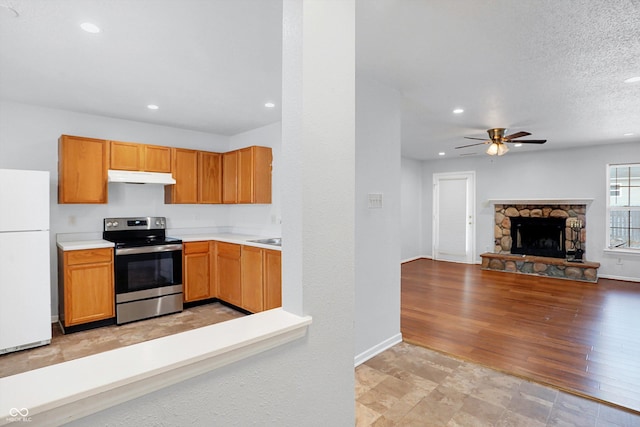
(579, 337)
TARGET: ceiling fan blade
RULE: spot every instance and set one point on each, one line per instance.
(479, 139)
(517, 135)
(473, 145)
(529, 141)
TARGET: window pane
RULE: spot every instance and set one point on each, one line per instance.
(634, 234)
(619, 229)
(624, 201)
(634, 196)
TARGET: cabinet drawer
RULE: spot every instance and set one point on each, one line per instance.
(228, 250)
(195, 247)
(89, 256)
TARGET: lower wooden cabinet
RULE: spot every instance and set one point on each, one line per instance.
(272, 279)
(229, 272)
(252, 279)
(248, 277)
(196, 271)
(86, 286)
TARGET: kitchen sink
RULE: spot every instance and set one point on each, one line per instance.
(275, 241)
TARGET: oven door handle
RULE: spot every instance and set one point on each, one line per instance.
(149, 249)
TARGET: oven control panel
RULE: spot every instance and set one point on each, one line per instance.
(136, 223)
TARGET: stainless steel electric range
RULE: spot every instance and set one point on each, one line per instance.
(148, 268)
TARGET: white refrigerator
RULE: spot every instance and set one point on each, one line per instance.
(25, 274)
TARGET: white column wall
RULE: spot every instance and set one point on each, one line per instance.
(377, 230)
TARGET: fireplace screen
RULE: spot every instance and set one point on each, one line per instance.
(538, 236)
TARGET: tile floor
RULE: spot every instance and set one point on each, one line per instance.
(80, 344)
(409, 385)
(406, 385)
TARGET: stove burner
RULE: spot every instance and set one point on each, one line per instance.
(135, 232)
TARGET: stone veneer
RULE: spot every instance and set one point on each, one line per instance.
(503, 260)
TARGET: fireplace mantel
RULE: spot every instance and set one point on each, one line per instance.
(522, 201)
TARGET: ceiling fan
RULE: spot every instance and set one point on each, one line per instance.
(497, 140)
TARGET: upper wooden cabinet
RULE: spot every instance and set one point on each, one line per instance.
(209, 177)
(198, 176)
(140, 157)
(240, 176)
(247, 175)
(82, 169)
(157, 159)
(230, 177)
(254, 175)
(184, 167)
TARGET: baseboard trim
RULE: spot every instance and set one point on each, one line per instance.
(623, 278)
(377, 349)
(415, 258)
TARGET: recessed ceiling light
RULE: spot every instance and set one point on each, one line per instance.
(517, 144)
(458, 111)
(269, 105)
(442, 153)
(628, 134)
(152, 107)
(90, 28)
(632, 79)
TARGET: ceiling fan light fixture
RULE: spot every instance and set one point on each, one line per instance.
(497, 148)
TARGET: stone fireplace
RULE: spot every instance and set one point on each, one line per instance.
(505, 214)
(533, 237)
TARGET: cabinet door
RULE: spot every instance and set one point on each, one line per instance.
(230, 177)
(213, 270)
(82, 170)
(245, 175)
(228, 271)
(88, 293)
(252, 279)
(262, 161)
(209, 177)
(185, 171)
(254, 175)
(196, 271)
(157, 158)
(126, 156)
(272, 279)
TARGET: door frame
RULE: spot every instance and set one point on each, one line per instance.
(470, 236)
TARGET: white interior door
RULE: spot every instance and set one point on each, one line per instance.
(454, 217)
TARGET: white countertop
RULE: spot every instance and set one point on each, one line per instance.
(84, 244)
(240, 239)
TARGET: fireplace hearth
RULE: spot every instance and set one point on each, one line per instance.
(538, 236)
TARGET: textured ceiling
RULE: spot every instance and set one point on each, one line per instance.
(554, 68)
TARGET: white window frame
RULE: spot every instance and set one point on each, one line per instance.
(610, 208)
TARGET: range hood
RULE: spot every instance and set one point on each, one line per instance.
(135, 177)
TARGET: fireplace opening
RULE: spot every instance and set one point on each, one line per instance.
(538, 236)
